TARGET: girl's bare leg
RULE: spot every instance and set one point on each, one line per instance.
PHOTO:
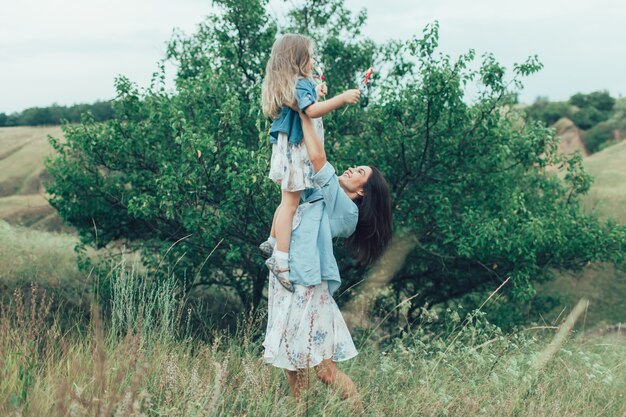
(273, 231)
(284, 217)
(329, 374)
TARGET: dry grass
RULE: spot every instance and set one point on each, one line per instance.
(479, 371)
(22, 150)
(22, 197)
(43, 257)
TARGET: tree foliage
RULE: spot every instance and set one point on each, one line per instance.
(55, 114)
(594, 109)
(599, 100)
(548, 111)
(598, 113)
(183, 176)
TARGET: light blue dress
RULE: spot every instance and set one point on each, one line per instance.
(327, 213)
(306, 326)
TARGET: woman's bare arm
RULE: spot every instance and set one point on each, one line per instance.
(314, 145)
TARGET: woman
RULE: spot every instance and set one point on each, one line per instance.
(305, 328)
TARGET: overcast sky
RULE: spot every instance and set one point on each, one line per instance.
(70, 51)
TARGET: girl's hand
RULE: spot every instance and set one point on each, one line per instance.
(321, 90)
(351, 96)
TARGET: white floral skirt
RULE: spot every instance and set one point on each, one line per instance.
(290, 165)
(304, 327)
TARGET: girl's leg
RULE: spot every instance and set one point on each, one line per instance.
(284, 217)
(273, 231)
(329, 374)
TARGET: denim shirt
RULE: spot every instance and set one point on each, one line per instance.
(326, 213)
(289, 121)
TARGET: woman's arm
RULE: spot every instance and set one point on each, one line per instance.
(314, 146)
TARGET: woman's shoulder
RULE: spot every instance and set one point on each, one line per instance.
(325, 174)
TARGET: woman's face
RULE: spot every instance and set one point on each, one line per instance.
(354, 179)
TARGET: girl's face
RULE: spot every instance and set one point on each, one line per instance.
(311, 64)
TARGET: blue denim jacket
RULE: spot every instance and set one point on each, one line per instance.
(288, 121)
(327, 212)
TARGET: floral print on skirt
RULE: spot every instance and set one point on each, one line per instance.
(290, 165)
(304, 327)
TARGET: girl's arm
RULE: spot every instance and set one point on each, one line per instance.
(314, 146)
(322, 108)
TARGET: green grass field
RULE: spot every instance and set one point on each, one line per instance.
(602, 284)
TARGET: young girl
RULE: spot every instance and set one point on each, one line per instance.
(288, 86)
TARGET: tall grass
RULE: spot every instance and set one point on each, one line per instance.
(141, 361)
(141, 306)
(31, 255)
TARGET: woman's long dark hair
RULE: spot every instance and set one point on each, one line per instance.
(374, 228)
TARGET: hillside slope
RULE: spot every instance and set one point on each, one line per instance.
(22, 196)
(607, 196)
(602, 284)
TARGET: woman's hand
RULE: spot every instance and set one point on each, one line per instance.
(294, 106)
(321, 90)
(351, 96)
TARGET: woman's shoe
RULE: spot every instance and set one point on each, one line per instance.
(281, 274)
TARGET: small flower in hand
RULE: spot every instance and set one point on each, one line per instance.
(368, 74)
(321, 90)
(366, 80)
(318, 75)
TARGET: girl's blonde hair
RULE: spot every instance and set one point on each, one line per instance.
(289, 58)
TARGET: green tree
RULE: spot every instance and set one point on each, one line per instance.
(600, 100)
(548, 111)
(594, 108)
(177, 175)
(588, 117)
(55, 114)
(470, 180)
(194, 163)
(597, 136)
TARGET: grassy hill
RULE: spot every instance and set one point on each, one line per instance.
(607, 196)
(22, 197)
(604, 285)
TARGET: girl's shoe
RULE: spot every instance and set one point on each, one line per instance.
(282, 274)
(266, 249)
